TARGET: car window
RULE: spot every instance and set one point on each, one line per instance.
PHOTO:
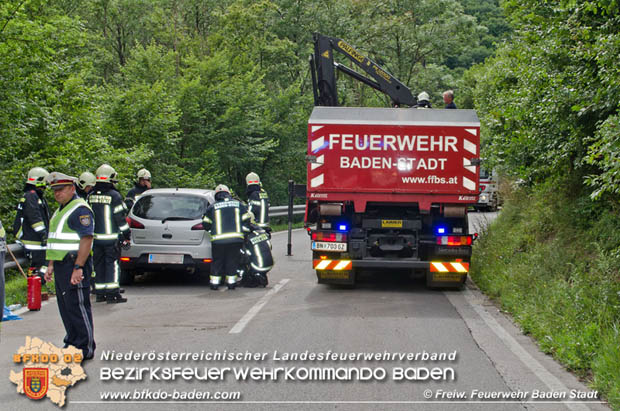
(159, 207)
(484, 173)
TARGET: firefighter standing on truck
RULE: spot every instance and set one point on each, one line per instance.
(258, 201)
(68, 251)
(110, 229)
(32, 221)
(227, 220)
(143, 184)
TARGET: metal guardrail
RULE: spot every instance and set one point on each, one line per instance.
(18, 250)
(282, 211)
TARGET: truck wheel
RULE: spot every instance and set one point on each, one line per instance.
(126, 277)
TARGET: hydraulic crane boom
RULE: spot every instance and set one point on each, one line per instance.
(324, 76)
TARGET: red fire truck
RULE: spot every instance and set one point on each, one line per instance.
(388, 188)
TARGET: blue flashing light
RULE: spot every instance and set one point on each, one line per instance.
(441, 230)
(342, 227)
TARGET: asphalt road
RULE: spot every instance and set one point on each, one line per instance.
(387, 314)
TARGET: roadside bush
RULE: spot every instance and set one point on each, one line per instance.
(552, 260)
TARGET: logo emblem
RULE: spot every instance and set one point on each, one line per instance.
(85, 220)
(36, 382)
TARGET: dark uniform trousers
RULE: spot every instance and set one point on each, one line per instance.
(226, 259)
(37, 260)
(107, 270)
(74, 306)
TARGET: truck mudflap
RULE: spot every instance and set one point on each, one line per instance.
(330, 271)
(441, 274)
(447, 274)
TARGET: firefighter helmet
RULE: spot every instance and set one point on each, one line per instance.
(36, 176)
(222, 188)
(106, 174)
(423, 96)
(144, 173)
(86, 179)
(252, 178)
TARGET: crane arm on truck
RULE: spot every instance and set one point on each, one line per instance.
(323, 67)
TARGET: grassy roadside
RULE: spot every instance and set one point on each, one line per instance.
(16, 288)
(552, 260)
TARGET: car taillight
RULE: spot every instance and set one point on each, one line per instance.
(198, 226)
(133, 223)
(125, 259)
(482, 187)
(329, 236)
(454, 240)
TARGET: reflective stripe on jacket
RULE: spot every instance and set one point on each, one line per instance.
(62, 239)
(227, 221)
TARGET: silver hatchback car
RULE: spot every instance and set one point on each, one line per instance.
(167, 233)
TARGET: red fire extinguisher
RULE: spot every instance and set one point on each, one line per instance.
(34, 293)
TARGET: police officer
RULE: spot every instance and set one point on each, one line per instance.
(227, 219)
(143, 184)
(110, 228)
(32, 220)
(68, 251)
(258, 201)
(85, 184)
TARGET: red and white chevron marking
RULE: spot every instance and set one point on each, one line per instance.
(471, 148)
(317, 143)
(442, 267)
(335, 265)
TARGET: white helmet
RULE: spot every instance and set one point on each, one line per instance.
(86, 179)
(221, 188)
(144, 173)
(252, 178)
(106, 174)
(36, 176)
(423, 96)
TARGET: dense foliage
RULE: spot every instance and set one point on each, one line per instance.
(551, 259)
(202, 91)
(548, 102)
(549, 98)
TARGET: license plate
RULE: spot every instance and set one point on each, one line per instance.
(319, 245)
(392, 223)
(165, 258)
(334, 275)
(448, 277)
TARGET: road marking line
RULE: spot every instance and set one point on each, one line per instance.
(525, 357)
(257, 307)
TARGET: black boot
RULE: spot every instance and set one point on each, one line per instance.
(115, 299)
(100, 298)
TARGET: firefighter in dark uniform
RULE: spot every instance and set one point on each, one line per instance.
(32, 221)
(258, 201)
(110, 229)
(260, 258)
(85, 184)
(143, 184)
(68, 251)
(227, 220)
